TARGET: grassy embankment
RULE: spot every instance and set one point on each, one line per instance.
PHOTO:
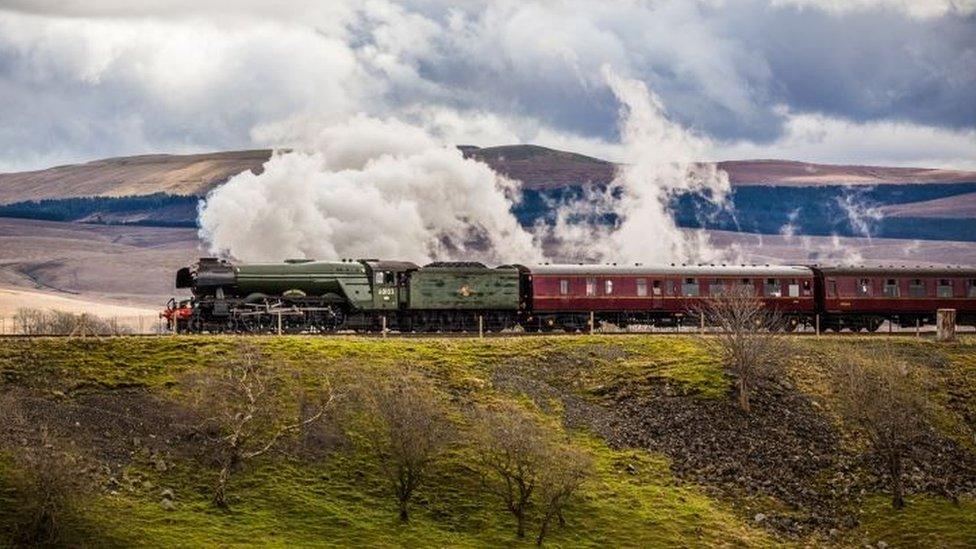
(632, 500)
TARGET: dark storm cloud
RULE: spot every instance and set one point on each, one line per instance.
(876, 65)
(97, 78)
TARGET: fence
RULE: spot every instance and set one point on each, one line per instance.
(59, 323)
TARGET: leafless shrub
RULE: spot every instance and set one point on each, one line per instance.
(34, 322)
(885, 399)
(568, 469)
(749, 338)
(29, 321)
(523, 464)
(404, 423)
(48, 477)
(245, 412)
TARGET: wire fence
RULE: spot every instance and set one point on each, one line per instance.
(36, 322)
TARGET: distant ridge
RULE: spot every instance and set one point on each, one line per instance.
(537, 167)
(175, 174)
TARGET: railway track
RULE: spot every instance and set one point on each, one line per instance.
(500, 335)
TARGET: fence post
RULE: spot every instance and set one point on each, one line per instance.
(945, 325)
(279, 322)
(918, 326)
(817, 320)
(701, 323)
(383, 321)
(592, 322)
(481, 326)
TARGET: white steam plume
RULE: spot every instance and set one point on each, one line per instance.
(660, 160)
(370, 188)
(383, 188)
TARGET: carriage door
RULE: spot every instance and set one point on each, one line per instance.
(657, 294)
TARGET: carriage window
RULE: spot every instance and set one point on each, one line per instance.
(772, 288)
(916, 288)
(590, 286)
(806, 287)
(657, 287)
(378, 277)
(794, 288)
(642, 287)
(690, 287)
(863, 287)
(746, 286)
(609, 287)
(891, 288)
(944, 288)
(716, 287)
(563, 287)
(832, 288)
(972, 288)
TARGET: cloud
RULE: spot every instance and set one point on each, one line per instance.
(922, 9)
(81, 80)
(818, 138)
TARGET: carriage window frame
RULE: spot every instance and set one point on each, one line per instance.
(748, 286)
(772, 288)
(608, 286)
(642, 287)
(716, 287)
(590, 286)
(943, 285)
(656, 288)
(891, 288)
(690, 287)
(831, 287)
(563, 286)
(863, 287)
(793, 288)
(916, 287)
(972, 288)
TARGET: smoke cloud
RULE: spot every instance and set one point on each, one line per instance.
(659, 161)
(368, 188)
(385, 188)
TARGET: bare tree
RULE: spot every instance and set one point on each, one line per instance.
(521, 460)
(29, 321)
(406, 426)
(245, 414)
(886, 401)
(37, 322)
(566, 472)
(749, 337)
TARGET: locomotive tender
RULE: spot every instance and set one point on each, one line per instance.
(307, 296)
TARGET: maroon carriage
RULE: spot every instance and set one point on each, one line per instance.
(862, 298)
(564, 296)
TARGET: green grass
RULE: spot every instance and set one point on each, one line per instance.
(924, 522)
(633, 500)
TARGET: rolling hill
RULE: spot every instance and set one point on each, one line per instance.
(768, 195)
(537, 167)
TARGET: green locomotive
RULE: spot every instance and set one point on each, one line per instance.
(307, 296)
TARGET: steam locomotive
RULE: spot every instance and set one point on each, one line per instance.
(307, 296)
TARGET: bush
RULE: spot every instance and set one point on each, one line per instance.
(35, 322)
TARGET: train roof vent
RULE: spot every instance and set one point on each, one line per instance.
(293, 261)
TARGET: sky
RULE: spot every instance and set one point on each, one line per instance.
(885, 82)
